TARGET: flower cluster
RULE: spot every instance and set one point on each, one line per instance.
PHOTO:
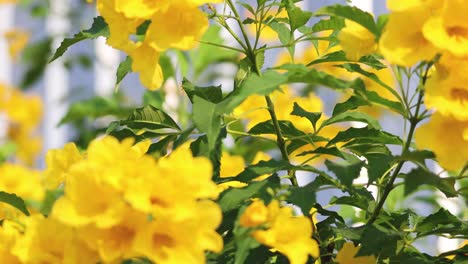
(437, 27)
(23, 114)
(276, 227)
(118, 203)
(168, 24)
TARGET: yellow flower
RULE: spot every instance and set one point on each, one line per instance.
(115, 243)
(21, 181)
(448, 138)
(178, 27)
(120, 26)
(46, 240)
(448, 29)
(288, 234)
(447, 89)
(58, 163)
(24, 114)
(254, 215)
(356, 41)
(17, 40)
(403, 41)
(347, 253)
(231, 165)
(167, 241)
(145, 61)
(9, 233)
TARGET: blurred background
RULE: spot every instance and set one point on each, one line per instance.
(30, 32)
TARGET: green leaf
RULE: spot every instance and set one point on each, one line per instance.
(352, 116)
(35, 56)
(50, 198)
(305, 196)
(352, 103)
(332, 23)
(346, 171)
(353, 67)
(366, 133)
(267, 127)
(297, 16)
(99, 28)
(442, 221)
(149, 117)
(207, 118)
(208, 115)
(378, 242)
(213, 94)
(262, 168)
(125, 67)
(419, 176)
(284, 34)
(232, 198)
(321, 150)
(95, 107)
(352, 13)
(160, 147)
(15, 201)
(298, 73)
(313, 117)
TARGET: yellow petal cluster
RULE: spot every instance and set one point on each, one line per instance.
(172, 24)
(118, 203)
(21, 181)
(279, 229)
(356, 41)
(447, 137)
(347, 255)
(24, 113)
(403, 41)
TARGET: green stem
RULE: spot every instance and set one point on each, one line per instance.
(414, 120)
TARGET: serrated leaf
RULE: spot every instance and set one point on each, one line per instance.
(332, 23)
(352, 103)
(99, 28)
(313, 117)
(232, 198)
(262, 168)
(377, 242)
(368, 133)
(213, 94)
(352, 13)
(321, 150)
(150, 118)
(297, 16)
(125, 67)
(346, 171)
(35, 56)
(417, 177)
(352, 116)
(207, 118)
(298, 73)
(15, 201)
(440, 222)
